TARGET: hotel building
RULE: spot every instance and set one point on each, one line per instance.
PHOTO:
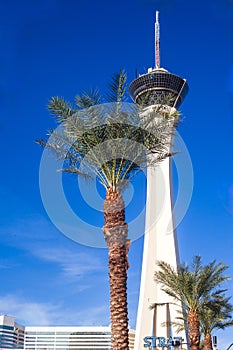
(16, 336)
(64, 338)
(11, 333)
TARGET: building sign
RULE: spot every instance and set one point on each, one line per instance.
(154, 342)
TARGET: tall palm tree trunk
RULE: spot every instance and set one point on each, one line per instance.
(194, 330)
(115, 233)
(208, 342)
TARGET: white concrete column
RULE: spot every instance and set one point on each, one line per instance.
(160, 243)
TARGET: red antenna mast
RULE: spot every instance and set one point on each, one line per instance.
(157, 41)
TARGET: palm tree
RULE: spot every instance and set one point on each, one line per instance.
(112, 142)
(195, 287)
(216, 316)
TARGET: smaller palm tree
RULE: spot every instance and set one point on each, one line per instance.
(195, 287)
(217, 316)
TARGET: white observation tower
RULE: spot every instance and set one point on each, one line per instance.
(160, 242)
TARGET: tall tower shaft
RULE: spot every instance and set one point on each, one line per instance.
(156, 87)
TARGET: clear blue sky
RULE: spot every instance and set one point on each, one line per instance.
(60, 47)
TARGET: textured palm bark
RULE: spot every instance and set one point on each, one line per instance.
(208, 342)
(194, 330)
(115, 233)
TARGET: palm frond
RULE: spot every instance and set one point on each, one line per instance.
(60, 108)
(216, 315)
(88, 99)
(117, 87)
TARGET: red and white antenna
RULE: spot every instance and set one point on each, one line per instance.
(157, 42)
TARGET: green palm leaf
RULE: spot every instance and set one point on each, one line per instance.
(117, 87)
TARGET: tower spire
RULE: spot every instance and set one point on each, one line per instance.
(157, 42)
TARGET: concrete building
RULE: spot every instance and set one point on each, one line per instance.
(154, 88)
(16, 336)
(11, 333)
(64, 338)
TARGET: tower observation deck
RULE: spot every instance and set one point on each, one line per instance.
(158, 87)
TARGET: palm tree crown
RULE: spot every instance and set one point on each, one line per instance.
(110, 140)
